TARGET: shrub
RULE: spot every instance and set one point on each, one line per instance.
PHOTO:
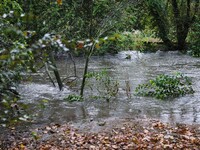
(165, 86)
(102, 84)
(141, 41)
(74, 98)
(111, 44)
(16, 58)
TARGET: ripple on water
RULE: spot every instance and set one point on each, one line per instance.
(35, 91)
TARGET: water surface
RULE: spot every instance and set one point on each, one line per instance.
(140, 68)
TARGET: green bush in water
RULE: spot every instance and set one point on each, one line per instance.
(74, 98)
(165, 86)
(101, 84)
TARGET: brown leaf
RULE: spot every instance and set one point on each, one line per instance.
(115, 146)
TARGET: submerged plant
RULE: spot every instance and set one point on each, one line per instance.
(102, 84)
(74, 98)
(166, 86)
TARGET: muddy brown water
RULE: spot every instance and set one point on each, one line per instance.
(140, 68)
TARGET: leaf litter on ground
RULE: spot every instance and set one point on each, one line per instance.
(127, 135)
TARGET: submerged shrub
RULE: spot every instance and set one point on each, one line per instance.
(74, 98)
(166, 86)
(101, 84)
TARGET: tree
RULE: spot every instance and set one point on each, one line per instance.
(184, 17)
(17, 57)
(169, 14)
(99, 24)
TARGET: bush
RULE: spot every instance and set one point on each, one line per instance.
(136, 40)
(165, 86)
(111, 44)
(16, 58)
(74, 98)
(102, 84)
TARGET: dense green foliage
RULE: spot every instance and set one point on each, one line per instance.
(15, 60)
(171, 20)
(194, 48)
(165, 87)
(74, 98)
(17, 57)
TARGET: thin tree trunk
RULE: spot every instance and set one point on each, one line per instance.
(88, 6)
(56, 73)
(49, 75)
(84, 76)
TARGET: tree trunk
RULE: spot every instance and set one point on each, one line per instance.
(161, 22)
(88, 7)
(183, 24)
(181, 39)
(84, 76)
(56, 73)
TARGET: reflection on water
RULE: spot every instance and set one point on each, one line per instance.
(137, 70)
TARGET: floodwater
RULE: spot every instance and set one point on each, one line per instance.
(140, 68)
